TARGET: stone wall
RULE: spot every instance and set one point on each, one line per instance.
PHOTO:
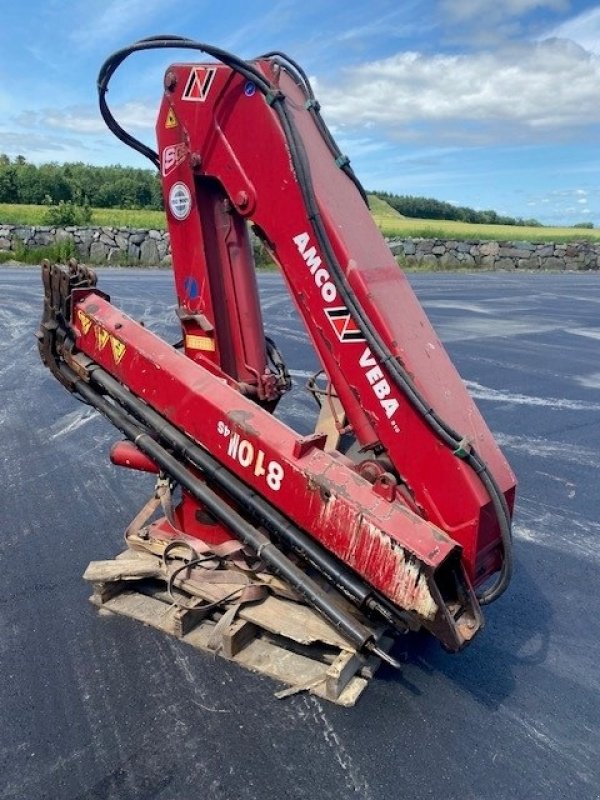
(448, 254)
(130, 246)
(95, 245)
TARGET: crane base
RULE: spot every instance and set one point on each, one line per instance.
(282, 639)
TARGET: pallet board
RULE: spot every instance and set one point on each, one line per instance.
(280, 638)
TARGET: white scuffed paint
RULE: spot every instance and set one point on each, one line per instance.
(408, 588)
(480, 392)
(413, 593)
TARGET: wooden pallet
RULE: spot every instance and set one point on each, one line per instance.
(283, 639)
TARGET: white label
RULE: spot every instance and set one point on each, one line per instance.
(251, 458)
(180, 201)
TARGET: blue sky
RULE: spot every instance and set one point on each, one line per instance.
(485, 103)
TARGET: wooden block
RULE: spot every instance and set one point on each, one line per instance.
(237, 636)
(346, 665)
(124, 569)
(183, 620)
(104, 591)
(139, 606)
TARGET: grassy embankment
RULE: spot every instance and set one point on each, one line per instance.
(388, 220)
(391, 223)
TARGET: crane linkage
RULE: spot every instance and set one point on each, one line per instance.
(401, 514)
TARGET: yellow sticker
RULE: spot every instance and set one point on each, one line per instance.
(84, 321)
(171, 121)
(101, 337)
(118, 349)
(199, 343)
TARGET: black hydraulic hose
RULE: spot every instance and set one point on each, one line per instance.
(444, 432)
(262, 511)
(401, 378)
(359, 635)
(160, 43)
(314, 107)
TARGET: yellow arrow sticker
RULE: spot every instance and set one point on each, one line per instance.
(118, 349)
(84, 321)
(102, 337)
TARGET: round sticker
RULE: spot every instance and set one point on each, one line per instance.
(180, 201)
(249, 89)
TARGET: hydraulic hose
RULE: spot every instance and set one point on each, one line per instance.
(359, 635)
(262, 512)
(400, 377)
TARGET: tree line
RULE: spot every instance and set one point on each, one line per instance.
(128, 187)
(428, 208)
(81, 184)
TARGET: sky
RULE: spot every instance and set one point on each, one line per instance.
(492, 104)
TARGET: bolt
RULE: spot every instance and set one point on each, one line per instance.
(242, 199)
(170, 80)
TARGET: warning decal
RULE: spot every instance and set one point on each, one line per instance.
(84, 321)
(118, 349)
(171, 121)
(198, 84)
(342, 323)
(101, 337)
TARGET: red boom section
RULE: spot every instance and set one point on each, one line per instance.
(213, 128)
(410, 561)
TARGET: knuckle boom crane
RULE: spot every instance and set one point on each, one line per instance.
(401, 499)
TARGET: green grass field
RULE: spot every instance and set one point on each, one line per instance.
(389, 222)
(13, 214)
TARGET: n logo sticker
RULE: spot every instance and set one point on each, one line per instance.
(198, 84)
(342, 323)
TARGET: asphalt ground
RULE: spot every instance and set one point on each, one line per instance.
(102, 707)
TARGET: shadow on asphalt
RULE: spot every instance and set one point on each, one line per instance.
(486, 669)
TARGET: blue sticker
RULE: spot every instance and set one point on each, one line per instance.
(191, 287)
(249, 89)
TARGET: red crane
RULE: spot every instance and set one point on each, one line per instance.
(401, 499)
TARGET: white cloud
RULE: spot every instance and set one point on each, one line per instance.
(116, 18)
(87, 119)
(400, 22)
(525, 88)
(584, 30)
(473, 9)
